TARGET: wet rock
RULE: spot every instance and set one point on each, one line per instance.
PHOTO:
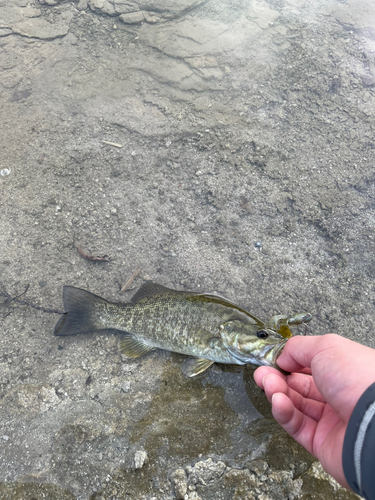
(5, 31)
(275, 485)
(40, 28)
(368, 80)
(82, 4)
(24, 18)
(149, 10)
(242, 478)
(125, 387)
(50, 2)
(317, 480)
(179, 482)
(192, 36)
(133, 17)
(255, 394)
(205, 472)
(258, 466)
(21, 491)
(140, 458)
(193, 495)
(104, 6)
(29, 400)
(262, 15)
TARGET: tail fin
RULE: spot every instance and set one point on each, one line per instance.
(80, 306)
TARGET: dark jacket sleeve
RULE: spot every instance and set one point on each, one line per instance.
(358, 454)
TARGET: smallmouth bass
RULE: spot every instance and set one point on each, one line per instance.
(207, 327)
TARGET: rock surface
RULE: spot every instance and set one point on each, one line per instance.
(218, 146)
(150, 10)
(25, 18)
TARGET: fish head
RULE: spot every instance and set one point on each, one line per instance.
(249, 343)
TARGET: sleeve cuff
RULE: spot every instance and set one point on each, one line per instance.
(358, 454)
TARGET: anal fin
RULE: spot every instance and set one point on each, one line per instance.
(192, 366)
(134, 348)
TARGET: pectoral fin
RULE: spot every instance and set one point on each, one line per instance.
(192, 366)
(133, 348)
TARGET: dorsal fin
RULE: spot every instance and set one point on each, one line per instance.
(206, 297)
(149, 289)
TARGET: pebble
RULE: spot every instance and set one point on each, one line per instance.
(140, 458)
(4, 172)
(125, 387)
(180, 484)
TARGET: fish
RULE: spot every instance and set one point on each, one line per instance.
(207, 327)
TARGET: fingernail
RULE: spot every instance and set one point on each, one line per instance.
(263, 379)
(273, 395)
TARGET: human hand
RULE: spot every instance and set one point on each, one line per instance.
(329, 374)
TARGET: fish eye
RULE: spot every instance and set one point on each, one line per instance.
(262, 334)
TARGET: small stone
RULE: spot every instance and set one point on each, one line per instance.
(93, 393)
(125, 387)
(132, 17)
(4, 172)
(140, 458)
(82, 5)
(5, 438)
(258, 466)
(193, 496)
(206, 472)
(180, 483)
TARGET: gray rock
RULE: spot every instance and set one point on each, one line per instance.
(258, 466)
(25, 19)
(205, 472)
(179, 482)
(82, 5)
(140, 458)
(276, 485)
(132, 17)
(125, 387)
(159, 8)
(5, 31)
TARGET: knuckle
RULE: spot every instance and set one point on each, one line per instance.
(331, 340)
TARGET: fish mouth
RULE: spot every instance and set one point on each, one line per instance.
(274, 350)
(278, 350)
(262, 357)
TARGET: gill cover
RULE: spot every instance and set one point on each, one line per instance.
(250, 343)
